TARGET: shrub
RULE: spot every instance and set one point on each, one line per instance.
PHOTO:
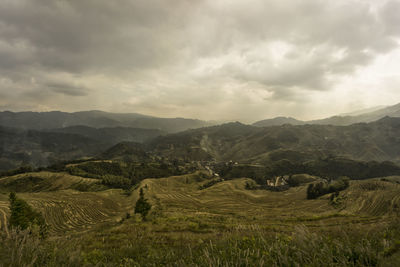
(251, 185)
(210, 183)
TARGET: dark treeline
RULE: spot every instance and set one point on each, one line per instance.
(319, 189)
(22, 169)
(114, 174)
(121, 174)
(210, 183)
(58, 166)
(329, 168)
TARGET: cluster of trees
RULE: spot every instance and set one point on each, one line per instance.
(210, 183)
(319, 189)
(297, 180)
(115, 181)
(356, 170)
(22, 169)
(128, 173)
(230, 170)
(95, 169)
(23, 216)
(328, 167)
(260, 173)
(114, 174)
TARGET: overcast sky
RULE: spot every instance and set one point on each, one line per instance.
(216, 60)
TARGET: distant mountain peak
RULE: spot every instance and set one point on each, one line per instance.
(366, 115)
(277, 121)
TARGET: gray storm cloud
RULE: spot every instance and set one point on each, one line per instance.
(208, 59)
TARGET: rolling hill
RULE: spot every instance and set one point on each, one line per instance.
(377, 141)
(112, 135)
(23, 147)
(20, 147)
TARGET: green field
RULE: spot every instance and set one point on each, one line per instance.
(224, 224)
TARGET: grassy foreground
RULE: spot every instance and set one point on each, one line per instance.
(222, 225)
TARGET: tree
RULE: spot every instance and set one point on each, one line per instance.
(311, 192)
(316, 190)
(142, 205)
(23, 216)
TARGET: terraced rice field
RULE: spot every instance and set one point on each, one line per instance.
(231, 197)
(68, 210)
(63, 207)
(179, 195)
(374, 197)
(44, 181)
(77, 211)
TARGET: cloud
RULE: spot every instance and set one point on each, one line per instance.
(302, 45)
(67, 89)
(189, 58)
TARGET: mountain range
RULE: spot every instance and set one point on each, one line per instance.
(100, 119)
(40, 139)
(375, 141)
(367, 115)
(95, 119)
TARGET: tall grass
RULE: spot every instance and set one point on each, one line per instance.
(21, 248)
(302, 248)
(138, 244)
